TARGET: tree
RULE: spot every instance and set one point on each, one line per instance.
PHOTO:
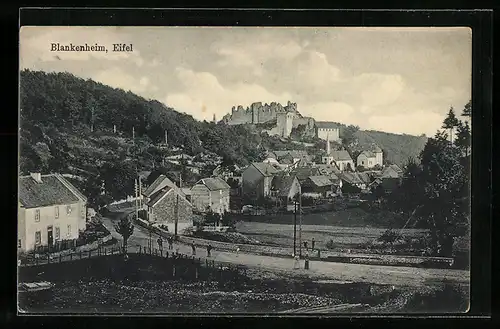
(467, 111)
(212, 218)
(125, 229)
(445, 182)
(450, 122)
(463, 139)
(119, 178)
(349, 134)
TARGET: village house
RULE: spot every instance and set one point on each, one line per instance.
(390, 178)
(211, 194)
(327, 130)
(303, 173)
(320, 185)
(257, 179)
(291, 157)
(371, 158)
(341, 158)
(165, 203)
(353, 178)
(285, 188)
(366, 159)
(51, 211)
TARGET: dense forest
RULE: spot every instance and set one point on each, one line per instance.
(68, 126)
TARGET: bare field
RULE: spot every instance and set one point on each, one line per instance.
(342, 237)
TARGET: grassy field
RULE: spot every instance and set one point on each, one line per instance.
(342, 237)
(352, 217)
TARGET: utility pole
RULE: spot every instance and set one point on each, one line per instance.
(136, 189)
(300, 224)
(140, 193)
(295, 226)
(176, 220)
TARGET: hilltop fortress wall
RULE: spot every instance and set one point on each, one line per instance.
(286, 117)
(258, 113)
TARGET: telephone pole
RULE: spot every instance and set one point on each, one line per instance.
(295, 227)
(300, 224)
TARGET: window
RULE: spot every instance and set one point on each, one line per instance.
(37, 215)
(68, 210)
(57, 233)
(19, 243)
(38, 237)
(69, 230)
(57, 212)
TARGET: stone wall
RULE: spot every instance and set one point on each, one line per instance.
(258, 113)
(164, 211)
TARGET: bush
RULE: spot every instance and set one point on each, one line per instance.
(330, 244)
(390, 237)
(448, 299)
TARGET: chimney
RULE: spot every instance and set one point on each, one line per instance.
(37, 177)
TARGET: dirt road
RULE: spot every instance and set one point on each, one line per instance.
(405, 276)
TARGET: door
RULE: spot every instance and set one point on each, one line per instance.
(50, 237)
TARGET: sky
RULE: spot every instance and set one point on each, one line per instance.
(399, 80)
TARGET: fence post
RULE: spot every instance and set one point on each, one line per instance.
(90, 253)
(80, 254)
(70, 256)
(60, 258)
(161, 252)
(48, 258)
(140, 249)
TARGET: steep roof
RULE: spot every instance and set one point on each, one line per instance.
(53, 190)
(396, 168)
(341, 155)
(214, 183)
(390, 172)
(368, 154)
(320, 180)
(265, 168)
(351, 177)
(365, 177)
(160, 180)
(158, 195)
(155, 197)
(328, 170)
(283, 184)
(326, 124)
(376, 149)
(303, 173)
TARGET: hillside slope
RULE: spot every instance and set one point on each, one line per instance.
(398, 148)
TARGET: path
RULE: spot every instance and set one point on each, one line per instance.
(378, 274)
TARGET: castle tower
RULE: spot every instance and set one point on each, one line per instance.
(214, 120)
(284, 123)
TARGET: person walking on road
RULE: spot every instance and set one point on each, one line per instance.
(193, 249)
(305, 245)
(237, 251)
(160, 243)
(209, 249)
(296, 263)
(170, 243)
(312, 244)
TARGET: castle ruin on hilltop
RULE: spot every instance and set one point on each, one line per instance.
(284, 118)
